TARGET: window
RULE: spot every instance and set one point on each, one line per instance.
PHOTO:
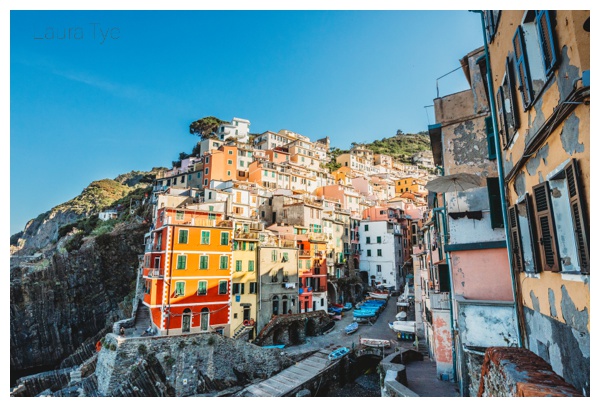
(229, 162)
(183, 236)
(204, 262)
(368, 240)
(236, 289)
(489, 130)
(379, 268)
(491, 23)
(252, 288)
(212, 216)
(179, 215)
(284, 257)
(202, 287)
(204, 316)
(378, 239)
(493, 186)
(366, 228)
(224, 238)
(506, 105)
(238, 265)
(535, 53)
(222, 287)
(205, 239)
(379, 252)
(307, 264)
(181, 262)
(230, 152)
(179, 288)
(273, 256)
(368, 253)
(224, 262)
(250, 265)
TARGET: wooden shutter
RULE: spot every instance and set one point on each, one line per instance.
(522, 68)
(544, 26)
(489, 130)
(545, 228)
(515, 239)
(532, 233)
(502, 124)
(512, 117)
(493, 186)
(579, 215)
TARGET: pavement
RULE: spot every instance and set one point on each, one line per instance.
(421, 375)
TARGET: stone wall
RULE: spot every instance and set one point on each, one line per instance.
(518, 372)
(182, 365)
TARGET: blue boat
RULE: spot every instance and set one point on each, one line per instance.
(347, 306)
(350, 329)
(281, 346)
(338, 353)
(335, 310)
(364, 313)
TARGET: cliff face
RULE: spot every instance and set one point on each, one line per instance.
(58, 303)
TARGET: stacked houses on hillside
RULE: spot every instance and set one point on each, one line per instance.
(255, 227)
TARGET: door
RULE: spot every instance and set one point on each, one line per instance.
(186, 322)
(246, 313)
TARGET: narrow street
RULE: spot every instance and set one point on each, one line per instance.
(421, 375)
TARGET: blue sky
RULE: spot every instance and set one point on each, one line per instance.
(118, 93)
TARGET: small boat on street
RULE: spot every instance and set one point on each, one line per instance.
(350, 329)
(281, 346)
(364, 313)
(402, 326)
(376, 295)
(375, 343)
(338, 353)
(347, 306)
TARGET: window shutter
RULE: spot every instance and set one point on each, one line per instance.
(509, 94)
(532, 233)
(502, 124)
(493, 186)
(578, 213)
(522, 67)
(548, 49)
(489, 130)
(515, 239)
(545, 227)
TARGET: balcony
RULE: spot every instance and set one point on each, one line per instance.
(304, 253)
(317, 237)
(155, 273)
(440, 301)
(246, 235)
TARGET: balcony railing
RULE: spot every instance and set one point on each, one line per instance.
(155, 273)
(304, 253)
(440, 300)
(246, 235)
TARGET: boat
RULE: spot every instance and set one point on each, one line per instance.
(337, 317)
(350, 329)
(347, 306)
(379, 295)
(402, 326)
(364, 313)
(336, 306)
(338, 353)
(280, 346)
(336, 311)
(401, 316)
(375, 343)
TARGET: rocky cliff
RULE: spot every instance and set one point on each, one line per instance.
(72, 275)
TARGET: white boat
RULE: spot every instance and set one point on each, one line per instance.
(375, 343)
(403, 326)
(382, 296)
(401, 316)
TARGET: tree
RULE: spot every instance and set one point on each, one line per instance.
(205, 127)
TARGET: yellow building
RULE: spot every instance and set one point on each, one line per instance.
(540, 63)
(411, 184)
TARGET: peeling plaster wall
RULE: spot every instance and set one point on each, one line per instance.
(442, 343)
(481, 274)
(564, 348)
(486, 325)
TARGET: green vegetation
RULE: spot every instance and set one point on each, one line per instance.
(142, 349)
(401, 147)
(205, 127)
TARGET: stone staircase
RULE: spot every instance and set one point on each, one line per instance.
(242, 330)
(142, 321)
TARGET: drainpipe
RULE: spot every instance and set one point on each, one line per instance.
(500, 174)
(442, 210)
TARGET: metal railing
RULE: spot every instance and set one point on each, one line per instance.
(155, 273)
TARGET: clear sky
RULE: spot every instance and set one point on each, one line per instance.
(118, 93)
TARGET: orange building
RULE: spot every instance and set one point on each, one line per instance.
(222, 165)
(187, 271)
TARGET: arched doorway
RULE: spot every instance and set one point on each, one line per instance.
(204, 319)
(275, 302)
(331, 292)
(186, 320)
(284, 304)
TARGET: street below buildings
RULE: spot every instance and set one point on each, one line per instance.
(421, 375)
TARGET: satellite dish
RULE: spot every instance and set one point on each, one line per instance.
(131, 211)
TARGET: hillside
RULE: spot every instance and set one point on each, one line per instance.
(402, 146)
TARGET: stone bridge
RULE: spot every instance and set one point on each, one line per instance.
(293, 329)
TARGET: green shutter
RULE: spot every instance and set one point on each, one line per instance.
(201, 287)
(250, 265)
(489, 131)
(493, 186)
(223, 262)
(224, 238)
(204, 262)
(238, 265)
(179, 288)
(181, 262)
